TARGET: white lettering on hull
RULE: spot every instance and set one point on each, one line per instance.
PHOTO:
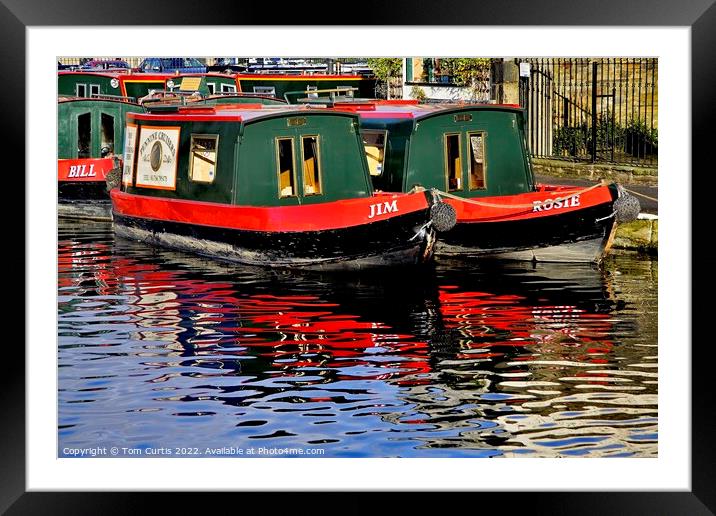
(81, 171)
(549, 204)
(383, 208)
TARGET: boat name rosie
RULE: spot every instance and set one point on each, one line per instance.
(81, 171)
(548, 204)
(383, 208)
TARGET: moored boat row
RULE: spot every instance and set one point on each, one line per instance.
(345, 185)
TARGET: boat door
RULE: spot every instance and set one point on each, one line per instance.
(464, 161)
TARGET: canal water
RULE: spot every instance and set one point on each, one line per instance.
(166, 353)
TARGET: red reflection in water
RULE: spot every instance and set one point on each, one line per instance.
(297, 332)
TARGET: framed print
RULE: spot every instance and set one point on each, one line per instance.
(177, 330)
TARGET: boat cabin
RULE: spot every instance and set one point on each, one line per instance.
(263, 156)
(119, 84)
(92, 128)
(466, 150)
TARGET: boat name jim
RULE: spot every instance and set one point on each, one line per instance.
(548, 204)
(383, 208)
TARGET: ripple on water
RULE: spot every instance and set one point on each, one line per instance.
(162, 349)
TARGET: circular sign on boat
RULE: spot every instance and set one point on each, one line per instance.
(114, 83)
(170, 84)
(155, 156)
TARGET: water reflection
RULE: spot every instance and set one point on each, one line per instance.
(163, 349)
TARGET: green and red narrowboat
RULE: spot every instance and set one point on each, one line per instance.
(90, 140)
(477, 158)
(278, 186)
(279, 84)
(118, 84)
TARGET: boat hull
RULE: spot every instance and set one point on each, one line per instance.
(400, 239)
(580, 234)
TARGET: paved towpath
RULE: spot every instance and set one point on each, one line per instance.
(647, 195)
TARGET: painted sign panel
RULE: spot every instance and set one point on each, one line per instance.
(157, 161)
(130, 141)
(93, 169)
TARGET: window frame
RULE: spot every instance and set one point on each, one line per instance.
(92, 87)
(191, 157)
(318, 163)
(384, 132)
(445, 161)
(227, 88)
(482, 133)
(277, 139)
(270, 90)
(77, 89)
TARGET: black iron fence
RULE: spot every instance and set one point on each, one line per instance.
(592, 109)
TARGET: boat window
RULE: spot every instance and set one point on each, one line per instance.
(374, 145)
(477, 161)
(94, 90)
(311, 166)
(228, 88)
(84, 135)
(202, 165)
(81, 90)
(453, 165)
(212, 87)
(265, 90)
(107, 135)
(286, 167)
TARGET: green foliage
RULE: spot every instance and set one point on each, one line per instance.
(466, 71)
(386, 68)
(418, 93)
(636, 138)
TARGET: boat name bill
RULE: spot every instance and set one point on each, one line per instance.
(81, 171)
(548, 204)
(383, 208)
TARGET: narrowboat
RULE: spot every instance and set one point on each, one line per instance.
(90, 141)
(282, 85)
(277, 186)
(476, 157)
(115, 83)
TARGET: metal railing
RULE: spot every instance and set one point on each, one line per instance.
(602, 110)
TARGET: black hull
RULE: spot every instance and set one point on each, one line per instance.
(82, 191)
(384, 243)
(593, 224)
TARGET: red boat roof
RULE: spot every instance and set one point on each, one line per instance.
(230, 113)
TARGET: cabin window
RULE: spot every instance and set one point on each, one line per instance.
(265, 90)
(81, 90)
(311, 166)
(202, 165)
(94, 90)
(374, 145)
(212, 87)
(286, 167)
(107, 135)
(345, 90)
(477, 161)
(228, 88)
(453, 164)
(84, 135)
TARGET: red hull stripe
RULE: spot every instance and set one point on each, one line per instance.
(308, 217)
(383, 114)
(572, 201)
(184, 116)
(85, 170)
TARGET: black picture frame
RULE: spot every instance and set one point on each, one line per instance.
(700, 15)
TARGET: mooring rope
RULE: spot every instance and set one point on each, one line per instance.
(510, 206)
(641, 195)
